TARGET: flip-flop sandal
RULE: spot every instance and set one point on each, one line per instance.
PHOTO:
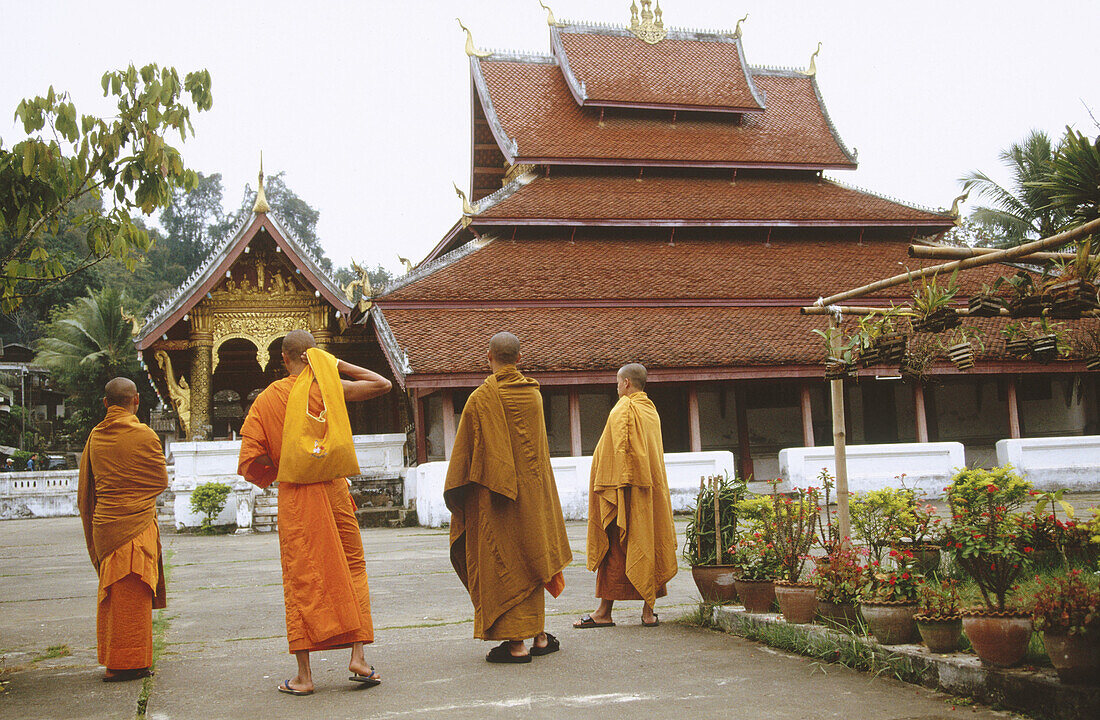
(285, 688)
(368, 680)
(655, 623)
(588, 622)
(127, 675)
(501, 654)
(552, 646)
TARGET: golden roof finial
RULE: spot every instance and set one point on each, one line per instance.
(467, 208)
(955, 211)
(550, 19)
(812, 71)
(737, 30)
(261, 205)
(649, 28)
(471, 49)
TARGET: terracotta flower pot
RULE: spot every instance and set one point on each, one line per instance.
(715, 583)
(756, 595)
(890, 622)
(797, 602)
(940, 633)
(1075, 657)
(999, 639)
(843, 616)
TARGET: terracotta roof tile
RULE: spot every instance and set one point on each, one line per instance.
(536, 111)
(620, 69)
(605, 197)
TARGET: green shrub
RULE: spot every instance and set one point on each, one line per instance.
(209, 499)
(881, 518)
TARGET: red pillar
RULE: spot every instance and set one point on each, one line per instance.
(575, 422)
(448, 423)
(920, 412)
(807, 417)
(695, 436)
(744, 451)
(1013, 409)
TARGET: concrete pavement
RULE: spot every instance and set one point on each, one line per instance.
(226, 649)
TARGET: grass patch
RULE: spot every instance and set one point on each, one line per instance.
(702, 615)
(53, 651)
(161, 622)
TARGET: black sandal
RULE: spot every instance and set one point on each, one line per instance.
(502, 654)
(552, 646)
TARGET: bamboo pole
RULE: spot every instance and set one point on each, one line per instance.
(939, 252)
(1014, 253)
(861, 310)
(717, 523)
(840, 457)
(698, 518)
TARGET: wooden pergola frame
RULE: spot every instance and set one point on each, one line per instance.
(1037, 250)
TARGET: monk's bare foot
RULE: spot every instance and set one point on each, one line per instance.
(518, 649)
(361, 668)
(297, 683)
(541, 641)
(595, 617)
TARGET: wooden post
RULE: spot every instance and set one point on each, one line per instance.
(575, 422)
(698, 517)
(807, 417)
(696, 438)
(836, 390)
(420, 420)
(920, 412)
(716, 483)
(448, 423)
(1013, 409)
(744, 451)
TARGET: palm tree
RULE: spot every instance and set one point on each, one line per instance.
(1073, 183)
(1024, 212)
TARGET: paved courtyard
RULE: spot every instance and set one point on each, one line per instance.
(226, 650)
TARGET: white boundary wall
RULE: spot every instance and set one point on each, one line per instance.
(1054, 463)
(927, 467)
(571, 474)
(41, 493)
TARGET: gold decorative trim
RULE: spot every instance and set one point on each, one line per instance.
(737, 30)
(261, 205)
(649, 28)
(550, 19)
(179, 392)
(471, 49)
(812, 70)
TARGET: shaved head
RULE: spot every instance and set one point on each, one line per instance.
(504, 348)
(120, 391)
(297, 342)
(635, 373)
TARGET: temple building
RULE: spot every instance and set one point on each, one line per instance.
(646, 194)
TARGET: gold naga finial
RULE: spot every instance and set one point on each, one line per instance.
(261, 205)
(812, 70)
(361, 281)
(550, 19)
(135, 326)
(471, 49)
(407, 263)
(649, 26)
(467, 208)
(955, 211)
(737, 30)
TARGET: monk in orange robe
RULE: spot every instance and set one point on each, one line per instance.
(631, 538)
(508, 539)
(324, 570)
(121, 473)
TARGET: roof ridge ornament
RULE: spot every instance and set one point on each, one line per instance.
(955, 211)
(649, 28)
(261, 205)
(737, 30)
(471, 49)
(468, 209)
(812, 70)
(550, 19)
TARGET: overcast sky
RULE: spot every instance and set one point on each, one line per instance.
(366, 105)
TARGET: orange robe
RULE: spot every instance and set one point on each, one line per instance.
(324, 569)
(122, 471)
(631, 536)
(508, 538)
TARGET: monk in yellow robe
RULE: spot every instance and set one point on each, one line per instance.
(324, 570)
(508, 539)
(631, 538)
(121, 473)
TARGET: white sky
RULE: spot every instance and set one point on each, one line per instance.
(366, 105)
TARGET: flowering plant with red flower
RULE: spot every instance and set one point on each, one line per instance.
(939, 599)
(841, 575)
(756, 558)
(898, 582)
(1068, 604)
(791, 530)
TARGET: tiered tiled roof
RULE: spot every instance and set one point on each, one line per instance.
(686, 71)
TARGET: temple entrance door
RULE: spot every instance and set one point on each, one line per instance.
(880, 412)
(236, 376)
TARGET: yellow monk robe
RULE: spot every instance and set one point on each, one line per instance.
(508, 538)
(631, 538)
(324, 570)
(121, 473)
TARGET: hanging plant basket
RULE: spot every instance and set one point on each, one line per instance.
(986, 305)
(1027, 306)
(1018, 347)
(938, 321)
(1093, 363)
(891, 347)
(1044, 348)
(869, 356)
(910, 371)
(962, 354)
(837, 369)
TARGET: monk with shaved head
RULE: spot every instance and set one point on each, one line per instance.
(508, 540)
(122, 471)
(631, 538)
(324, 570)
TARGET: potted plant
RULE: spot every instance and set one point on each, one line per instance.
(890, 599)
(792, 533)
(1086, 345)
(919, 354)
(938, 620)
(959, 346)
(839, 578)
(758, 565)
(828, 524)
(1024, 298)
(878, 519)
(921, 534)
(711, 529)
(1066, 609)
(986, 303)
(1017, 343)
(1048, 340)
(932, 304)
(1073, 289)
(985, 539)
(840, 353)
(880, 341)
(1051, 541)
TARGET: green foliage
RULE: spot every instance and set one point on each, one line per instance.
(1067, 604)
(1072, 184)
(756, 559)
(880, 518)
(930, 296)
(939, 599)
(124, 159)
(792, 529)
(209, 499)
(840, 576)
(699, 543)
(897, 583)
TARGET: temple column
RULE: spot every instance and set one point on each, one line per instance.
(575, 422)
(920, 412)
(448, 423)
(744, 449)
(202, 372)
(420, 419)
(319, 327)
(694, 435)
(807, 416)
(1013, 409)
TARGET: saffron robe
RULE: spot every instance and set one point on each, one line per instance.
(122, 471)
(508, 538)
(325, 587)
(628, 494)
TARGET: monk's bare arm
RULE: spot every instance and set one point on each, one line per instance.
(364, 384)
